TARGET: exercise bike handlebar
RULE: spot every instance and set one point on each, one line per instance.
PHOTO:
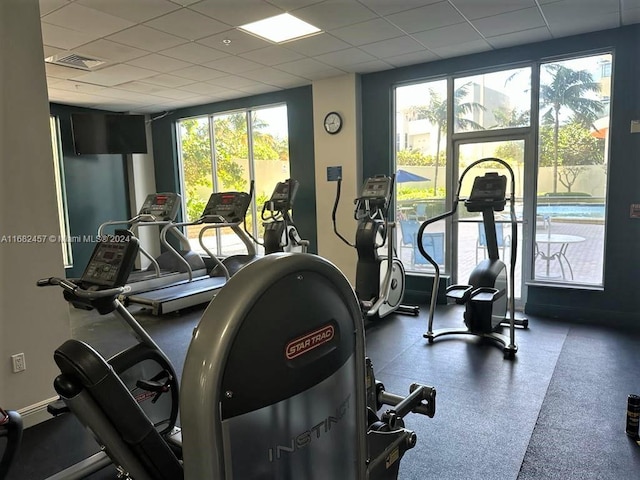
(78, 291)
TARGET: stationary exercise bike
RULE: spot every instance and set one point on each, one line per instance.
(275, 382)
(143, 369)
(490, 292)
(380, 279)
(280, 233)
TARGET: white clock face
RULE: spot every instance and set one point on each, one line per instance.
(332, 123)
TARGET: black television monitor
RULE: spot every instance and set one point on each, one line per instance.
(98, 133)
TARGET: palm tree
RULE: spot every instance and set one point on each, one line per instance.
(567, 88)
(436, 113)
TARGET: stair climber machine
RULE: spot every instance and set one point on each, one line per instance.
(488, 296)
(223, 210)
(379, 287)
(280, 233)
(275, 383)
(142, 370)
(159, 209)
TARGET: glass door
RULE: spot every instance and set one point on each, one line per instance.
(468, 228)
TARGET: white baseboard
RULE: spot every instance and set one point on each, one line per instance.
(36, 413)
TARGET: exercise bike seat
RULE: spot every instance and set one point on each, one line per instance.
(83, 368)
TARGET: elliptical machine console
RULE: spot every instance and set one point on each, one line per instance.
(280, 233)
(486, 296)
(380, 279)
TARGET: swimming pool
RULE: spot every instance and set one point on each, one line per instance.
(582, 210)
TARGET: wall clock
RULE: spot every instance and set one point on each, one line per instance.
(333, 123)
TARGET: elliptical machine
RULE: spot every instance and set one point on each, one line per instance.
(489, 296)
(280, 233)
(380, 279)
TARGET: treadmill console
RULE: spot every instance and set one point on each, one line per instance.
(283, 196)
(111, 262)
(163, 206)
(488, 193)
(227, 207)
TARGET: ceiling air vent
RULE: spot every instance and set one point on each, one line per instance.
(74, 60)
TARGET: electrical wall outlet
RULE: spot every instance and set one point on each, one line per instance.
(19, 363)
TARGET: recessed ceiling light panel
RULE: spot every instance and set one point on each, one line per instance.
(281, 28)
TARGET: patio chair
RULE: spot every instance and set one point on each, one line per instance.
(504, 241)
(433, 243)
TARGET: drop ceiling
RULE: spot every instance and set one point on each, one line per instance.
(161, 55)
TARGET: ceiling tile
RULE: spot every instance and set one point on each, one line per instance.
(439, 37)
(159, 63)
(136, 11)
(414, 58)
(568, 10)
(194, 53)
(111, 51)
(146, 38)
(184, 3)
(334, 14)
(234, 81)
(367, 32)
(235, 12)
(64, 38)
(76, 98)
(231, 64)
(459, 49)
(425, 18)
(292, 5)
(187, 24)
(257, 89)
(115, 75)
(510, 22)
(48, 6)
(518, 38)
(308, 68)
(51, 51)
(82, 19)
(630, 16)
(368, 67)
(79, 87)
(58, 71)
(275, 77)
(386, 7)
(318, 44)
(272, 55)
(473, 9)
(201, 88)
(390, 48)
(581, 24)
(240, 42)
(345, 57)
(168, 80)
(199, 73)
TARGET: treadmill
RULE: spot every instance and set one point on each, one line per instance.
(172, 266)
(223, 210)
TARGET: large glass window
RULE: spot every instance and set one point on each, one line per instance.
(61, 194)
(421, 152)
(224, 152)
(573, 137)
(561, 186)
(492, 100)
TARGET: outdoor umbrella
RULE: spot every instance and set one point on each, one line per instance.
(402, 176)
